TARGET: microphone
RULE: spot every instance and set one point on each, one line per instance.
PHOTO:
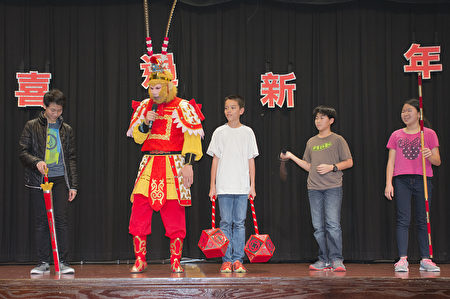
(150, 124)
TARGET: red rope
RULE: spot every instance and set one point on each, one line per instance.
(254, 214)
(213, 212)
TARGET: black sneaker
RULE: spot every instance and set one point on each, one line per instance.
(65, 269)
(41, 268)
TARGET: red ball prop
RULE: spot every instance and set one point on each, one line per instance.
(259, 248)
(213, 242)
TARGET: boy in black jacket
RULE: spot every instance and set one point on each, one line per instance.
(47, 142)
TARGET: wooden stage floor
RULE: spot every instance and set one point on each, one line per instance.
(285, 280)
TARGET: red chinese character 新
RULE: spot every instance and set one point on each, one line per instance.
(275, 90)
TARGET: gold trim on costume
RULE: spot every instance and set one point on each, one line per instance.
(142, 245)
(174, 249)
(140, 250)
(157, 193)
(166, 135)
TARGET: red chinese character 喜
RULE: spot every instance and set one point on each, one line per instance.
(32, 87)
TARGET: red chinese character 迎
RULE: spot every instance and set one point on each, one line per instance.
(32, 87)
(420, 59)
(146, 66)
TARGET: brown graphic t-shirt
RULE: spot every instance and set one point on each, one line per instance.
(329, 150)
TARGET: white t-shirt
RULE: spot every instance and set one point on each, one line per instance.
(234, 147)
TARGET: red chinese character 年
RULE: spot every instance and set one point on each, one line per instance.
(275, 90)
(420, 59)
(32, 87)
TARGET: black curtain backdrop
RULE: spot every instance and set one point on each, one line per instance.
(348, 54)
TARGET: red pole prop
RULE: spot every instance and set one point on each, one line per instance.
(47, 189)
(425, 185)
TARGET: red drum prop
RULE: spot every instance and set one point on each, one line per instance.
(213, 242)
(259, 248)
(47, 189)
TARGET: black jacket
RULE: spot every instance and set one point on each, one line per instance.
(32, 146)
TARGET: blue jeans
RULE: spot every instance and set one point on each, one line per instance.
(405, 187)
(233, 210)
(326, 217)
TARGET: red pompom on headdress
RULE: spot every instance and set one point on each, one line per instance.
(154, 60)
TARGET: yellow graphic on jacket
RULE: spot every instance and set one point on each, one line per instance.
(53, 148)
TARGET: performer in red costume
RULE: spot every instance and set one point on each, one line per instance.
(171, 142)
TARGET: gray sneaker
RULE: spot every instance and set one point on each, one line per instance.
(65, 269)
(41, 268)
(429, 266)
(401, 266)
(338, 266)
(319, 266)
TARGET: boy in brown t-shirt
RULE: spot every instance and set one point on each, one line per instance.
(326, 155)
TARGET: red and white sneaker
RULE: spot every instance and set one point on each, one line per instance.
(238, 267)
(429, 266)
(226, 267)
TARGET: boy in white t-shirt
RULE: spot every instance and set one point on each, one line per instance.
(233, 148)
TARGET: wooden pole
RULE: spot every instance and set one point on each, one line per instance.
(425, 185)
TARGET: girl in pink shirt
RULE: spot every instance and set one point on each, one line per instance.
(404, 179)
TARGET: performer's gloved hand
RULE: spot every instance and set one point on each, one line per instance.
(188, 175)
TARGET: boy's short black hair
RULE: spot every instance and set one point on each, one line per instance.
(325, 110)
(54, 96)
(237, 98)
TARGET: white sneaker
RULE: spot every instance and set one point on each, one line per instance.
(41, 268)
(65, 269)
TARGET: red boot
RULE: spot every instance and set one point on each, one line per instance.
(176, 247)
(140, 250)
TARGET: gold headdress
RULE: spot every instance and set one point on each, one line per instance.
(159, 72)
